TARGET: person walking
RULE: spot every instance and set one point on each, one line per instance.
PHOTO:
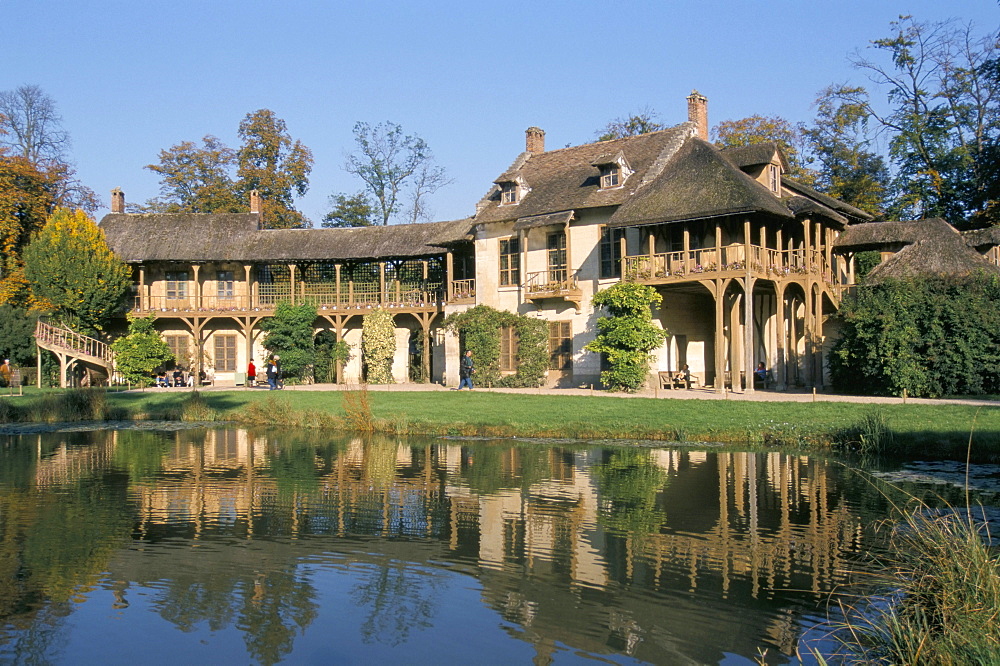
(277, 371)
(6, 373)
(466, 370)
(251, 374)
(272, 375)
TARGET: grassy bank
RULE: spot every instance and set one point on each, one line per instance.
(928, 431)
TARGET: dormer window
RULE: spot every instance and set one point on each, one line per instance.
(614, 170)
(610, 176)
(774, 178)
(508, 192)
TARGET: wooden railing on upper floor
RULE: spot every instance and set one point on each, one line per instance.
(711, 262)
(324, 296)
(551, 283)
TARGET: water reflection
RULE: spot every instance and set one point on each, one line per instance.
(351, 549)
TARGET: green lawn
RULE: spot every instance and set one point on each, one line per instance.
(920, 430)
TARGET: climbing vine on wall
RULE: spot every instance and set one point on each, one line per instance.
(480, 330)
(627, 335)
(378, 344)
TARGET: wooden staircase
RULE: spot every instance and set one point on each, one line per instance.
(71, 348)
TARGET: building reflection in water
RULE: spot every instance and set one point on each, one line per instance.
(658, 553)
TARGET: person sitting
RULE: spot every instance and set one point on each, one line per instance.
(683, 376)
(762, 374)
(178, 376)
(161, 379)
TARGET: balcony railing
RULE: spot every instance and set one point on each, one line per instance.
(555, 283)
(325, 296)
(463, 291)
(670, 266)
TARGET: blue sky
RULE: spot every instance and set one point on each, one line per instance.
(134, 77)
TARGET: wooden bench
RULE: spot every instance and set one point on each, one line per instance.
(672, 380)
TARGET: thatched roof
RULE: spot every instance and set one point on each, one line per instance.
(922, 247)
(803, 207)
(193, 237)
(846, 209)
(890, 235)
(930, 257)
(982, 239)
(567, 179)
(698, 182)
(561, 217)
(755, 155)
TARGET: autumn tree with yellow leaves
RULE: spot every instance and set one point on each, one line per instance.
(70, 267)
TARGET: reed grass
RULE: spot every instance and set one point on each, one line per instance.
(939, 599)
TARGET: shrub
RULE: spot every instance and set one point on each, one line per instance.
(378, 342)
(627, 335)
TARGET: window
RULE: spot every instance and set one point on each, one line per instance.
(774, 176)
(177, 285)
(560, 346)
(508, 349)
(508, 192)
(510, 261)
(610, 176)
(611, 252)
(556, 245)
(178, 345)
(225, 353)
(224, 284)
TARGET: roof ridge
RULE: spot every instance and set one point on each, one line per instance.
(669, 150)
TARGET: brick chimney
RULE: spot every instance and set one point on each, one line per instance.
(255, 202)
(534, 140)
(117, 201)
(698, 113)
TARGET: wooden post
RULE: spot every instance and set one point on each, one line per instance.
(197, 286)
(720, 349)
(246, 272)
(291, 281)
(336, 269)
(142, 288)
(449, 275)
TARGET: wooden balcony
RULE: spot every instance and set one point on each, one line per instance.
(462, 291)
(553, 284)
(346, 296)
(729, 261)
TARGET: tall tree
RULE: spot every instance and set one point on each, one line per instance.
(196, 179)
(390, 163)
(762, 129)
(643, 122)
(70, 266)
(349, 211)
(27, 198)
(289, 333)
(31, 126)
(942, 114)
(840, 143)
(274, 165)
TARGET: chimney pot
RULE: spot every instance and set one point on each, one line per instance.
(255, 202)
(534, 140)
(117, 201)
(698, 113)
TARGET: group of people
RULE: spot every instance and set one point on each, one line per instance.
(272, 372)
(179, 377)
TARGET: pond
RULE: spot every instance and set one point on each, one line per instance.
(173, 545)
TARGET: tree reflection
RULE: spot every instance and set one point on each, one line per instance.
(397, 600)
(275, 607)
(628, 483)
(140, 453)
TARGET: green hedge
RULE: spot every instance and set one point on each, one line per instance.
(480, 327)
(927, 336)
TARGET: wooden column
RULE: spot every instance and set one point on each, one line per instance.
(246, 273)
(687, 250)
(718, 246)
(142, 288)
(569, 256)
(381, 282)
(720, 341)
(623, 250)
(779, 352)
(291, 281)
(748, 346)
(336, 269)
(449, 274)
(197, 286)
